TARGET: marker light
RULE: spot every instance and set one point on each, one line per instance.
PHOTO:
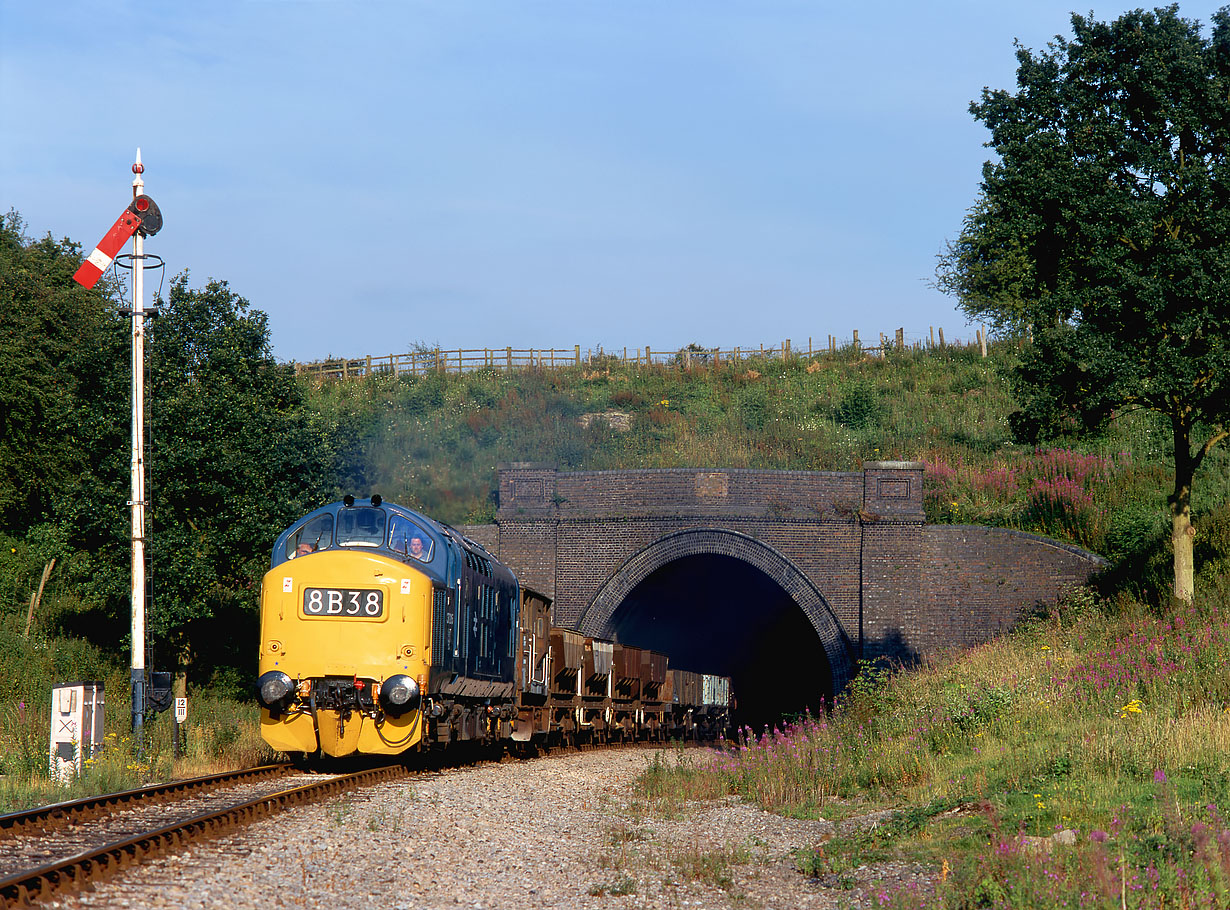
(399, 695)
(274, 690)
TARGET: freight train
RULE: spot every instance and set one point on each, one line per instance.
(383, 631)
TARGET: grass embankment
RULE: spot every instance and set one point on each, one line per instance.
(1108, 720)
(433, 442)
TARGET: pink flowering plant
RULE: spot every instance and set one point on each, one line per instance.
(1080, 761)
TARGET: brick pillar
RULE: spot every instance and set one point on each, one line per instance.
(894, 621)
(528, 523)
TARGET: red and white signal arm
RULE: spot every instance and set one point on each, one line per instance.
(143, 215)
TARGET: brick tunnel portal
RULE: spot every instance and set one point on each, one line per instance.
(718, 614)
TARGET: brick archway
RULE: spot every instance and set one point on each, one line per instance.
(597, 616)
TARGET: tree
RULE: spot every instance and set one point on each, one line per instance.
(61, 403)
(234, 457)
(1103, 231)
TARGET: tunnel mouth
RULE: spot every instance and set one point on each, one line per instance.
(719, 614)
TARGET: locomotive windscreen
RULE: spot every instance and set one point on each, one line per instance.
(360, 527)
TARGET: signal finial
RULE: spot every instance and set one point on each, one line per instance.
(138, 168)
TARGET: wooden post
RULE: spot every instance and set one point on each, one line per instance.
(36, 599)
(942, 337)
(369, 365)
(982, 340)
(901, 339)
(856, 345)
(578, 355)
(648, 356)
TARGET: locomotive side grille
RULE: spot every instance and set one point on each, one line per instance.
(441, 648)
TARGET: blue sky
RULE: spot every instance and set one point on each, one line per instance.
(379, 173)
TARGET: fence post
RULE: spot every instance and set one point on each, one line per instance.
(578, 349)
(901, 339)
(942, 337)
(648, 356)
(982, 340)
(856, 344)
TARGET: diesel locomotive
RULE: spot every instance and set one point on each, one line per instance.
(383, 631)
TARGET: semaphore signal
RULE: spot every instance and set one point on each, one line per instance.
(142, 215)
(140, 219)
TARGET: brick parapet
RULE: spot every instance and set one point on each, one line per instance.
(668, 492)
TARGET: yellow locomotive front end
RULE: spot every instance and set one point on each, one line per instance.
(345, 635)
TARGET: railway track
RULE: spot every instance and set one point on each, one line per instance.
(63, 847)
(66, 846)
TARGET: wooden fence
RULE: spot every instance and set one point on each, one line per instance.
(421, 362)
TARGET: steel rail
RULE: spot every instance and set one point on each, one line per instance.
(58, 815)
(24, 889)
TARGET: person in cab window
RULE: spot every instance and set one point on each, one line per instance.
(304, 548)
(416, 548)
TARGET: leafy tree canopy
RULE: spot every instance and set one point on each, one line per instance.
(62, 404)
(1103, 231)
(234, 457)
(233, 453)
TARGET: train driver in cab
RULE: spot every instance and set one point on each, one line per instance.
(408, 538)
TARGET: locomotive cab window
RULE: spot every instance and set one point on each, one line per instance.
(408, 539)
(316, 534)
(360, 527)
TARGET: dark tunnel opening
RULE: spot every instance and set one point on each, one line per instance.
(718, 614)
